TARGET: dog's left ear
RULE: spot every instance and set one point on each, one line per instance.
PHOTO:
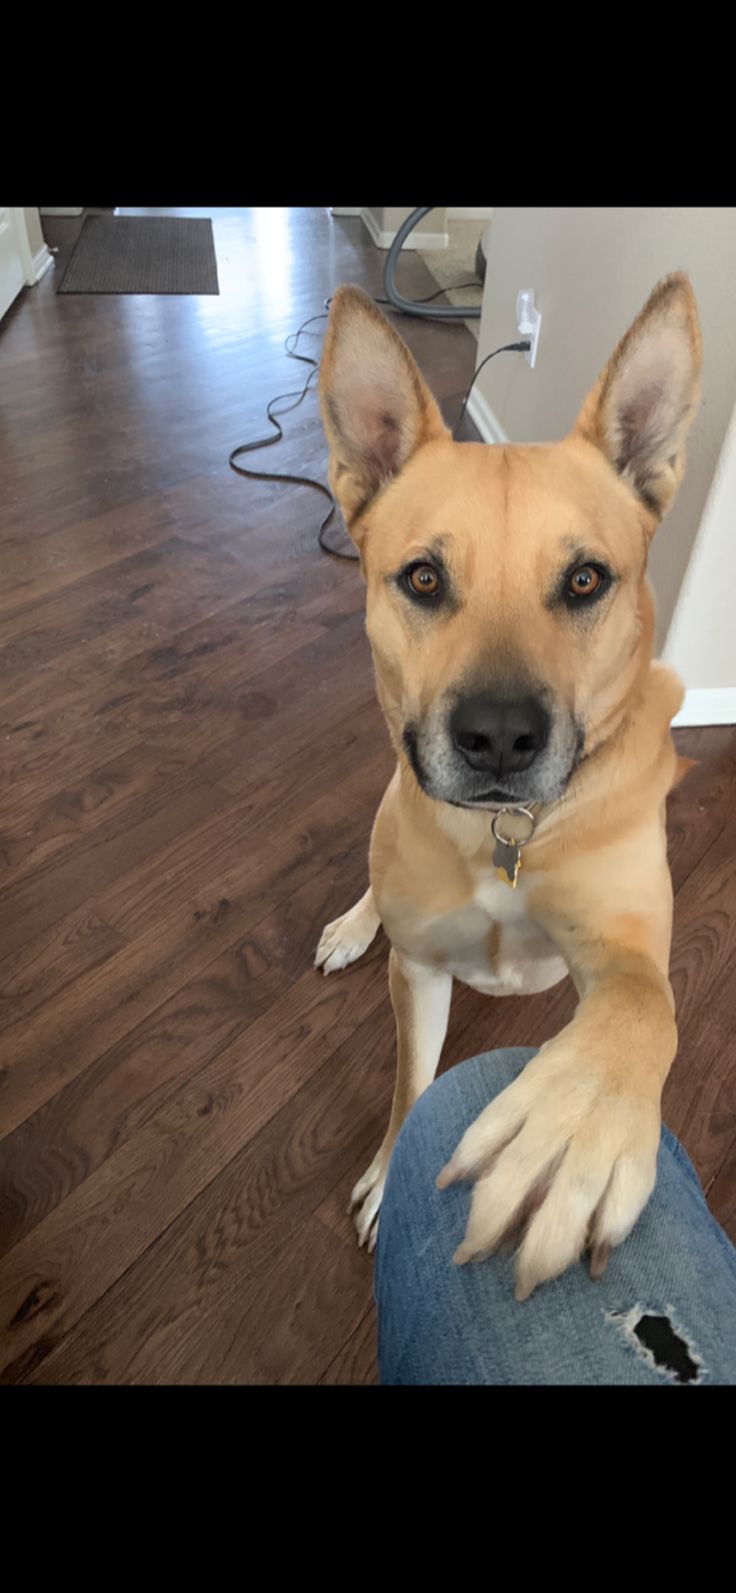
(376, 408)
(640, 410)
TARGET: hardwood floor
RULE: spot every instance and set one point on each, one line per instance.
(192, 756)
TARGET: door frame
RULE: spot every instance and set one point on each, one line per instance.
(34, 266)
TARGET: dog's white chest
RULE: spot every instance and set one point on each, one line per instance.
(525, 960)
(490, 943)
(505, 904)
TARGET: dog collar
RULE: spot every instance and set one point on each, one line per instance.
(511, 828)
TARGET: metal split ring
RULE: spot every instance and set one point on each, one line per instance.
(513, 840)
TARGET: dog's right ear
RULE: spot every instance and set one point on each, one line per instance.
(376, 408)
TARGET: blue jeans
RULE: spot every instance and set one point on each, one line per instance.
(664, 1311)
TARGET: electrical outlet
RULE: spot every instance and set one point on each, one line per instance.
(529, 321)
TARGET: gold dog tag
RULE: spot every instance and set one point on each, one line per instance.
(511, 829)
(507, 860)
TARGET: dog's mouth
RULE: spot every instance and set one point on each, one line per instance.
(442, 776)
(491, 799)
(492, 802)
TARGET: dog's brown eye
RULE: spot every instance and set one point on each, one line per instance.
(584, 581)
(424, 580)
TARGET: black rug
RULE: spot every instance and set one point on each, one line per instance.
(142, 254)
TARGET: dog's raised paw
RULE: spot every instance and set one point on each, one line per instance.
(346, 938)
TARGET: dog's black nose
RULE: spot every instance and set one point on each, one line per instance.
(497, 737)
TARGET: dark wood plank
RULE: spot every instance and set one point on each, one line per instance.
(192, 718)
(700, 806)
(259, 998)
(219, 1264)
(177, 925)
(699, 1093)
(722, 1192)
(52, 960)
(48, 891)
(355, 1365)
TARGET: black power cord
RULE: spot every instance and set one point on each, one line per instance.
(276, 436)
(506, 348)
(300, 393)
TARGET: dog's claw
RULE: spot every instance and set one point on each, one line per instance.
(365, 1203)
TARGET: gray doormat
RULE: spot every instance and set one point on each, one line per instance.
(143, 254)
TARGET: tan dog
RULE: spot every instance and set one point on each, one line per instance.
(511, 626)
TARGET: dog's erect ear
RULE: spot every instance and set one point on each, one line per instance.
(639, 411)
(376, 408)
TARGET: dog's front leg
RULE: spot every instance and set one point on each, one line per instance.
(420, 997)
(566, 1155)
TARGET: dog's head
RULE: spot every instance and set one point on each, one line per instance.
(508, 609)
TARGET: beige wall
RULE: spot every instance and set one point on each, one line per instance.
(33, 228)
(702, 639)
(389, 218)
(591, 270)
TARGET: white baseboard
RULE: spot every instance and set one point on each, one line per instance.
(481, 413)
(416, 239)
(42, 262)
(469, 215)
(707, 705)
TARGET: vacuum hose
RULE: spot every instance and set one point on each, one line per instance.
(430, 312)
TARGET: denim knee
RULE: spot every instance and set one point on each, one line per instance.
(459, 1095)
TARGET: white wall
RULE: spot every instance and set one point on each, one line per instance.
(592, 269)
(24, 256)
(701, 644)
(384, 221)
(34, 230)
